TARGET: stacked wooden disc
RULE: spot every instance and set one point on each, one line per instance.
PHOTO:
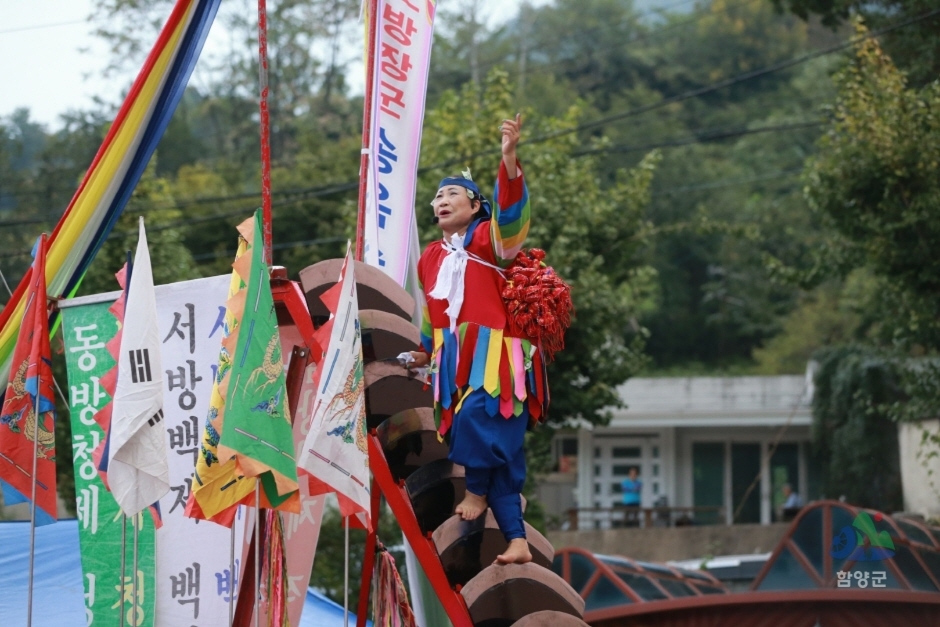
(399, 410)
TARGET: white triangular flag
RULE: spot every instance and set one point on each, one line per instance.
(138, 472)
(335, 453)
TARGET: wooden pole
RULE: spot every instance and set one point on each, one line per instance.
(265, 131)
(365, 161)
(257, 603)
(32, 504)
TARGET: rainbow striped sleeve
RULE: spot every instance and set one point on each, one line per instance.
(508, 231)
(427, 333)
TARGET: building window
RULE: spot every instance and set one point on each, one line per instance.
(784, 469)
(745, 468)
(620, 452)
(708, 479)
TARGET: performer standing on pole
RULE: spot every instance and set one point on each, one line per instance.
(487, 384)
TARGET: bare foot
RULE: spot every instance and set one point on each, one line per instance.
(471, 506)
(516, 553)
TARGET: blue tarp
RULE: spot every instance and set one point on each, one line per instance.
(57, 587)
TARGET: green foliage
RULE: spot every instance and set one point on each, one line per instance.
(855, 440)
(915, 48)
(874, 181)
(823, 318)
(593, 235)
(327, 575)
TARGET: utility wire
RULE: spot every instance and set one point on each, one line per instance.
(637, 37)
(281, 246)
(770, 69)
(699, 138)
(740, 78)
(20, 29)
(769, 176)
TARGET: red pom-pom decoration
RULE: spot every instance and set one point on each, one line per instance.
(538, 302)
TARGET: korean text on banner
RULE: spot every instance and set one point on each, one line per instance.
(194, 579)
(87, 329)
(402, 49)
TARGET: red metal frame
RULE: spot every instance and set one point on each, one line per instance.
(290, 294)
(766, 600)
(425, 551)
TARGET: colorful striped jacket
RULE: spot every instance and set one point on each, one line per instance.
(482, 354)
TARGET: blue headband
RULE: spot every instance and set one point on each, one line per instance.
(470, 186)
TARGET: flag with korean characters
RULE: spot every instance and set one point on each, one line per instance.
(402, 50)
(190, 574)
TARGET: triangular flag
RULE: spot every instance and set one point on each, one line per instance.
(257, 427)
(138, 471)
(335, 454)
(219, 486)
(31, 384)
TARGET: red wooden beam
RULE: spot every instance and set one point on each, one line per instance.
(424, 549)
(290, 294)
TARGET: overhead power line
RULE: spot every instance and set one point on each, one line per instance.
(740, 78)
(699, 138)
(20, 29)
(304, 194)
(778, 175)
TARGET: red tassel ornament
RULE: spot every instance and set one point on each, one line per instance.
(538, 302)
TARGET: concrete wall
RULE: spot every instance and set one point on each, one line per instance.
(920, 468)
(679, 543)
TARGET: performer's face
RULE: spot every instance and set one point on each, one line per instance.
(453, 208)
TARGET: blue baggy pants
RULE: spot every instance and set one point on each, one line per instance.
(490, 450)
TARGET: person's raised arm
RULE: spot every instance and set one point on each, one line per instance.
(510, 223)
(511, 129)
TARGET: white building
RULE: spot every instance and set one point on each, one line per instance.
(697, 441)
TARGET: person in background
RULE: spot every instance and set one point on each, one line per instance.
(792, 503)
(632, 488)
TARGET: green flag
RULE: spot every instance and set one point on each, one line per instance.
(257, 428)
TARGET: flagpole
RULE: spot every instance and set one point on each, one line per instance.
(257, 549)
(32, 505)
(231, 574)
(123, 560)
(267, 220)
(134, 573)
(346, 575)
(365, 161)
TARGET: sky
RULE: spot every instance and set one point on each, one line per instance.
(50, 61)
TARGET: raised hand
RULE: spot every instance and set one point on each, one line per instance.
(511, 130)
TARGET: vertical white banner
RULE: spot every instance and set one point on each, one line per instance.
(402, 49)
(194, 578)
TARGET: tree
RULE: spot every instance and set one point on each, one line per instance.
(915, 48)
(855, 440)
(874, 183)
